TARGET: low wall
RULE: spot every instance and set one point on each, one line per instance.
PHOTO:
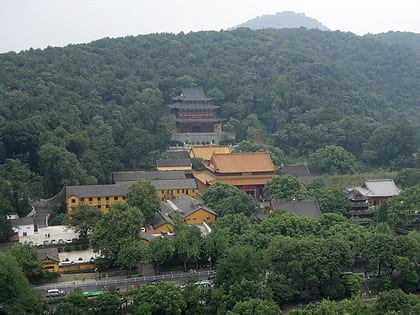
(203, 137)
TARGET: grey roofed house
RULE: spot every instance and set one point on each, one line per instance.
(187, 183)
(181, 206)
(84, 191)
(48, 253)
(172, 163)
(192, 94)
(22, 221)
(296, 170)
(177, 154)
(120, 189)
(379, 188)
(187, 205)
(161, 217)
(301, 172)
(131, 176)
(307, 207)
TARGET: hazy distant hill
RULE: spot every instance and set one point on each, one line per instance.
(409, 39)
(286, 19)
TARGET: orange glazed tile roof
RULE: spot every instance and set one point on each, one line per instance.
(243, 162)
(206, 151)
(209, 179)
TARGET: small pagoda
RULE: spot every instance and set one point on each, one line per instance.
(193, 112)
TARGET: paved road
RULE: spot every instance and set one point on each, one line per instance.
(124, 284)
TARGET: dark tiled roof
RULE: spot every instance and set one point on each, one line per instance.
(187, 183)
(202, 120)
(48, 253)
(192, 94)
(296, 170)
(301, 207)
(193, 106)
(188, 205)
(22, 221)
(84, 191)
(120, 189)
(381, 188)
(174, 155)
(152, 175)
(177, 162)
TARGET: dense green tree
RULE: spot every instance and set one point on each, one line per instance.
(109, 303)
(133, 254)
(283, 186)
(399, 209)
(227, 199)
(331, 201)
(5, 228)
(59, 167)
(142, 194)
(288, 224)
(66, 308)
(298, 260)
(117, 229)
(241, 262)
(282, 292)
(333, 160)
(394, 301)
(257, 307)
(187, 242)
(336, 257)
(161, 250)
(163, 298)
(408, 177)
(27, 258)
(381, 251)
(16, 294)
(84, 219)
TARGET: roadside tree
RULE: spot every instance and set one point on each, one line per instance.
(142, 194)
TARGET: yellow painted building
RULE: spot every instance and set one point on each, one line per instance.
(189, 209)
(103, 196)
(51, 262)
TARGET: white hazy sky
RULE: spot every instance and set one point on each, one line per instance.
(41, 23)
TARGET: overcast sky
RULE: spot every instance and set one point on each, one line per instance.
(41, 23)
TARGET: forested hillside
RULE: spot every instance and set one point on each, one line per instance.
(72, 115)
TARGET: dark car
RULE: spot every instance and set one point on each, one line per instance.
(153, 282)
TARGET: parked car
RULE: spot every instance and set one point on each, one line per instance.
(53, 242)
(60, 241)
(55, 293)
(153, 282)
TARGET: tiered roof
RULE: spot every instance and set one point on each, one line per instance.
(244, 162)
(206, 151)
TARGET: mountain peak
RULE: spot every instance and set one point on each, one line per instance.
(286, 19)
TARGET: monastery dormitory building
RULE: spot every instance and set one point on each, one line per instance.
(168, 184)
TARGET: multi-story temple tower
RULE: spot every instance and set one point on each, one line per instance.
(193, 112)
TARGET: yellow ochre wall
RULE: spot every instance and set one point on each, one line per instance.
(104, 203)
(169, 194)
(174, 168)
(199, 216)
(164, 227)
